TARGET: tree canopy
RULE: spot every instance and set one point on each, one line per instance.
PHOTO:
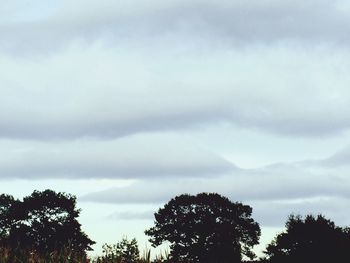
(43, 222)
(123, 251)
(205, 228)
(310, 239)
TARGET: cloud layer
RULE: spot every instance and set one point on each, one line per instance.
(146, 156)
(137, 96)
(233, 22)
(114, 92)
(121, 69)
(274, 191)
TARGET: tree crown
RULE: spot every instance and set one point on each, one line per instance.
(44, 221)
(206, 227)
(310, 239)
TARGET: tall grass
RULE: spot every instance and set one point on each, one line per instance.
(145, 258)
(8, 255)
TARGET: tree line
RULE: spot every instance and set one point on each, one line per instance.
(202, 228)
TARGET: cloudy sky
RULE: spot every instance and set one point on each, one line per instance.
(129, 103)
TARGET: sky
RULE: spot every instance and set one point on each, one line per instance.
(126, 104)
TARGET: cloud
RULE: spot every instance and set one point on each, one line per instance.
(233, 22)
(271, 206)
(109, 92)
(273, 191)
(338, 160)
(275, 213)
(240, 187)
(285, 181)
(161, 80)
(144, 156)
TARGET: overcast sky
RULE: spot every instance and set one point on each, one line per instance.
(129, 103)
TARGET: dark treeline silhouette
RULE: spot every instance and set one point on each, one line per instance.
(202, 228)
(210, 228)
(42, 223)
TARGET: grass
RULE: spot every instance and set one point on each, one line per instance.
(8, 255)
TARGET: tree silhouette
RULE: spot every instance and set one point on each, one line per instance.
(124, 251)
(43, 222)
(310, 239)
(205, 228)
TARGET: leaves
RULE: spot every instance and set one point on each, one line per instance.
(43, 222)
(310, 239)
(205, 227)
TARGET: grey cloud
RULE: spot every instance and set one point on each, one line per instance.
(215, 21)
(275, 213)
(34, 125)
(273, 191)
(105, 92)
(271, 204)
(137, 157)
(277, 182)
(339, 159)
(337, 163)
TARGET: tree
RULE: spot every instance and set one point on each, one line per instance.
(310, 239)
(124, 251)
(43, 222)
(7, 203)
(205, 228)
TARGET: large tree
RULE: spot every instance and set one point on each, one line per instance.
(43, 222)
(310, 239)
(205, 228)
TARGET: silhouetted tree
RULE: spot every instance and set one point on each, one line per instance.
(43, 222)
(205, 228)
(310, 239)
(124, 251)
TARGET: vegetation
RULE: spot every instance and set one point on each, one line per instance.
(43, 223)
(66, 255)
(123, 251)
(205, 228)
(310, 239)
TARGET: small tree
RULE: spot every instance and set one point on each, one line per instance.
(124, 251)
(310, 239)
(205, 228)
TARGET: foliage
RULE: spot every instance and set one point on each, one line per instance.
(205, 228)
(124, 251)
(113, 255)
(44, 222)
(310, 239)
(7, 255)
